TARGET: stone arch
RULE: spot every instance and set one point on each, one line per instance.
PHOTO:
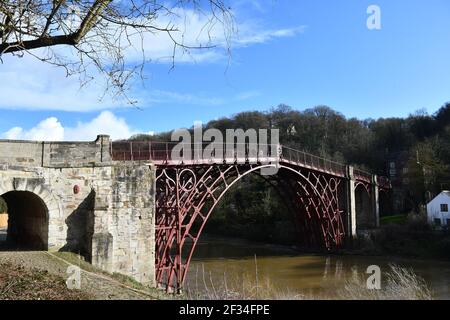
(36, 193)
(27, 221)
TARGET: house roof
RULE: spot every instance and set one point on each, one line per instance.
(445, 192)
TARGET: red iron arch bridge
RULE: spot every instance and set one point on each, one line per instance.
(329, 201)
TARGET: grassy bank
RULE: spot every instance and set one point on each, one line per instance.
(127, 281)
(19, 283)
(396, 219)
(408, 236)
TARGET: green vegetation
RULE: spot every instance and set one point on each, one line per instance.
(3, 206)
(253, 203)
(397, 219)
(414, 238)
(77, 260)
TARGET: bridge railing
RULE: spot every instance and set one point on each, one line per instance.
(311, 161)
(141, 151)
(161, 152)
(362, 175)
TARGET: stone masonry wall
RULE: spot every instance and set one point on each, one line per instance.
(123, 234)
(55, 154)
(101, 209)
(132, 222)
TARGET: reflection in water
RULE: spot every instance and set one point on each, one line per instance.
(287, 270)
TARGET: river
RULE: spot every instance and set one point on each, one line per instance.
(232, 262)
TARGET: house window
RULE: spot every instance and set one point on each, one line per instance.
(437, 222)
(392, 165)
(444, 207)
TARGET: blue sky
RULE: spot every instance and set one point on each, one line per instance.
(302, 53)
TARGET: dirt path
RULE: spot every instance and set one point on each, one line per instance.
(97, 286)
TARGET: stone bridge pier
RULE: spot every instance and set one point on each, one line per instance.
(70, 196)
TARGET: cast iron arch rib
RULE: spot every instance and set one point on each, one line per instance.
(187, 196)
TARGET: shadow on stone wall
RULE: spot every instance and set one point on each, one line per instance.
(80, 229)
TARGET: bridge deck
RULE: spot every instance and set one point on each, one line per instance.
(160, 154)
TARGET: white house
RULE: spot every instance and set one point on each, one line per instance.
(438, 210)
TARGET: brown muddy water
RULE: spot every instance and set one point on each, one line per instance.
(217, 261)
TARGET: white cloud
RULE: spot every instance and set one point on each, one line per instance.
(48, 129)
(254, 4)
(30, 84)
(105, 123)
(51, 129)
(247, 95)
(15, 133)
(199, 99)
(196, 30)
(252, 36)
(161, 96)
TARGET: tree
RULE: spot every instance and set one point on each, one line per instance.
(3, 206)
(101, 32)
(442, 116)
(428, 170)
(421, 125)
(250, 120)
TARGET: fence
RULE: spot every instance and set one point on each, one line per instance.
(165, 153)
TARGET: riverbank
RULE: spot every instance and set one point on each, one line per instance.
(43, 275)
(20, 283)
(412, 237)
